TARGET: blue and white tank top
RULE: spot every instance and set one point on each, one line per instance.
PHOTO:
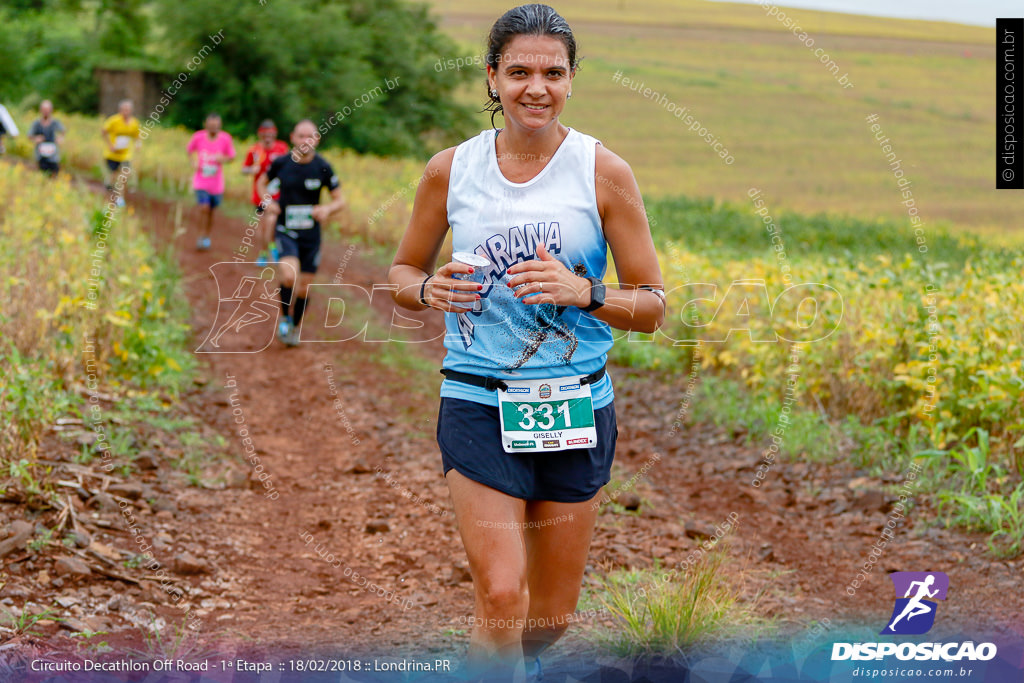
(504, 221)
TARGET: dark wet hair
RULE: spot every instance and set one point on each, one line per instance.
(267, 123)
(525, 20)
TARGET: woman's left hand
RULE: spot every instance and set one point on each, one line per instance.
(545, 280)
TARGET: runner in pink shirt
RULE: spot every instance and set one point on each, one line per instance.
(209, 149)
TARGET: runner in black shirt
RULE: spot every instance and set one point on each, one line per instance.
(299, 177)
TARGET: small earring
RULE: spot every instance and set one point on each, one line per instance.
(494, 94)
(569, 95)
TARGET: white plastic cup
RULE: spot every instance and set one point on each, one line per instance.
(478, 263)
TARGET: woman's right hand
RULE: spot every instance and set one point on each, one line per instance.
(442, 291)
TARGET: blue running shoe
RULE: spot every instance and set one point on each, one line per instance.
(284, 330)
(534, 673)
(203, 243)
(261, 260)
(274, 256)
(293, 337)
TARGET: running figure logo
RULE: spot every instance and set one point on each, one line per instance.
(914, 612)
(253, 300)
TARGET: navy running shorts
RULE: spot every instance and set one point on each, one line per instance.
(49, 166)
(469, 435)
(308, 252)
(204, 198)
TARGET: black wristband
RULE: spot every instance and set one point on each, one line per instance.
(423, 287)
(597, 290)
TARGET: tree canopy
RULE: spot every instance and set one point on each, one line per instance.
(362, 70)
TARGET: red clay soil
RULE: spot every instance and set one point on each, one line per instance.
(323, 417)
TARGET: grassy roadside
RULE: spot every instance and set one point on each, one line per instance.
(95, 338)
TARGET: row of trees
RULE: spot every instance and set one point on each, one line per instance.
(280, 59)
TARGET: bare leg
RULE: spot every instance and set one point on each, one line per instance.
(266, 232)
(490, 523)
(268, 226)
(203, 219)
(208, 221)
(305, 280)
(123, 177)
(557, 556)
(288, 272)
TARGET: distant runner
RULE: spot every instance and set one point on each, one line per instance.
(299, 177)
(7, 127)
(47, 133)
(121, 134)
(209, 149)
(257, 161)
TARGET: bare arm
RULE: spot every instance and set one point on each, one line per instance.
(268, 200)
(629, 236)
(323, 212)
(106, 139)
(421, 245)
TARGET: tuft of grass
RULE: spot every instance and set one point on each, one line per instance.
(87, 643)
(42, 541)
(660, 614)
(23, 623)
(180, 642)
(973, 491)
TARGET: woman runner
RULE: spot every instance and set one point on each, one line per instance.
(535, 205)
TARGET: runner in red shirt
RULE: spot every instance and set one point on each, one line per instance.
(257, 161)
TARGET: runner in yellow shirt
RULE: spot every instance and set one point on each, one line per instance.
(121, 135)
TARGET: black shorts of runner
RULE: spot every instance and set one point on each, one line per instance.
(49, 166)
(469, 435)
(307, 251)
(114, 165)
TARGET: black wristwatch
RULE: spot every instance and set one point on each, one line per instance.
(596, 294)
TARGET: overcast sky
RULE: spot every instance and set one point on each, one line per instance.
(979, 12)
